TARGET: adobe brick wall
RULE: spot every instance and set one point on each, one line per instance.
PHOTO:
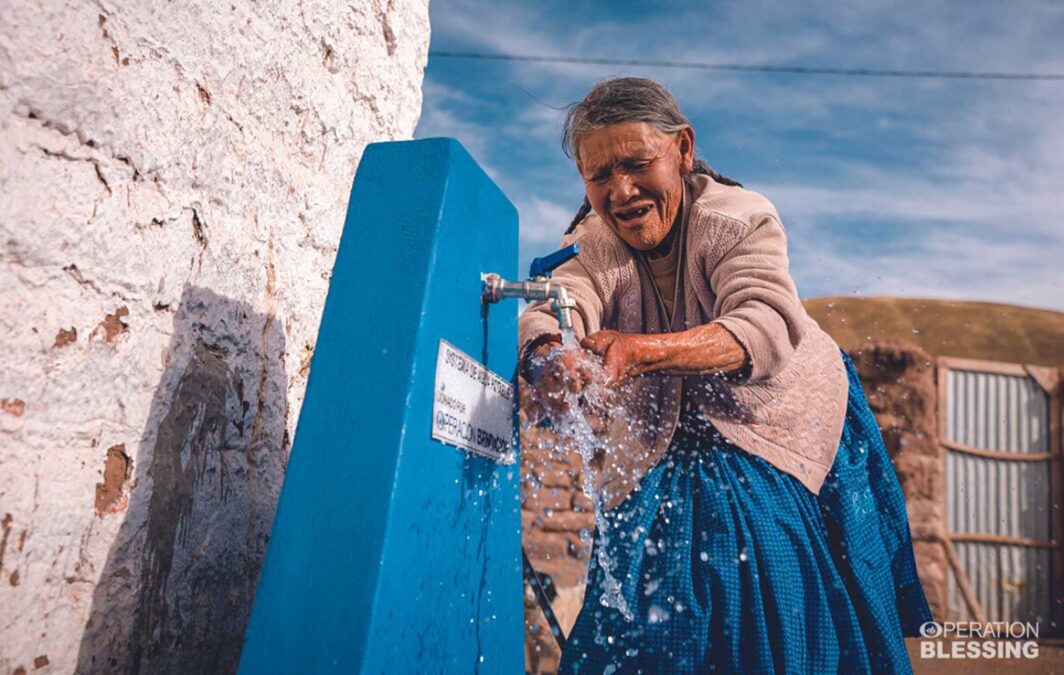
(899, 382)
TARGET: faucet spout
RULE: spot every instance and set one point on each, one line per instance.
(496, 288)
(538, 287)
(563, 307)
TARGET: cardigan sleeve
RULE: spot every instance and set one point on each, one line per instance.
(756, 298)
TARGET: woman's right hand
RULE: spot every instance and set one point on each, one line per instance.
(561, 373)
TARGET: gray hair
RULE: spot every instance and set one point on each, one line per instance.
(627, 99)
(622, 99)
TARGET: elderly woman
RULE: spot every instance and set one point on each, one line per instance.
(757, 524)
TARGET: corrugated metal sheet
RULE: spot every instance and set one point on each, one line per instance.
(1010, 582)
(1010, 414)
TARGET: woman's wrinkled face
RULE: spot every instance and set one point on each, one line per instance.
(633, 176)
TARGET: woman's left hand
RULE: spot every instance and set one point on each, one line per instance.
(622, 354)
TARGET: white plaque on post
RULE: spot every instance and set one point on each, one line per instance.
(472, 407)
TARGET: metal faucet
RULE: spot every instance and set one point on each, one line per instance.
(538, 286)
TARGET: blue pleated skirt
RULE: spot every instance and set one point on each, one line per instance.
(730, 565)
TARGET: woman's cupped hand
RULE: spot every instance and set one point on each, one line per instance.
(588, 374)
(621, 354)
(564, 375)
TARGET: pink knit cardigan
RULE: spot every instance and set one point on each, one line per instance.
(733, 271)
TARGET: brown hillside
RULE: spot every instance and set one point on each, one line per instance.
(975, 330)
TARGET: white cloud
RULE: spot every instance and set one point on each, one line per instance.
(445, 112)
(543, 222)
(947, 266)
(987, 213)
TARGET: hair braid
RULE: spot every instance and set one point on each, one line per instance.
(700, 166)
(581, 213)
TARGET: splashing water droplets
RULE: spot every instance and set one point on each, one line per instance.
(573, 427)
(657, 615)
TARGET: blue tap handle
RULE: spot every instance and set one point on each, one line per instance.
(542, 267)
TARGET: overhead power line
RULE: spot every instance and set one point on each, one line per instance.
(740, 67)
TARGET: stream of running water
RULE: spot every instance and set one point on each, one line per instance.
(575, 432)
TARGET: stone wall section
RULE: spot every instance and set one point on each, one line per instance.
(899, 382)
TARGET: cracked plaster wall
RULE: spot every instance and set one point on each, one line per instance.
(174, 180)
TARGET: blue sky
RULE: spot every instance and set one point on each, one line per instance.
(911, 187)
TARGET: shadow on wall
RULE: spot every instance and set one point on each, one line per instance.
(179, 581)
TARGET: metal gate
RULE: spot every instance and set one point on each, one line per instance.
(1000, 428)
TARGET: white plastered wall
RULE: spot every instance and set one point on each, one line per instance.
(173, 181)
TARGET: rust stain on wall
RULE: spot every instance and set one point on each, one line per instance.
(13, 406)
(117, 469)
(65, 337)
(112, 327)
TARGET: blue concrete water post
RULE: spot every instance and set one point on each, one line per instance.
(392, 551)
